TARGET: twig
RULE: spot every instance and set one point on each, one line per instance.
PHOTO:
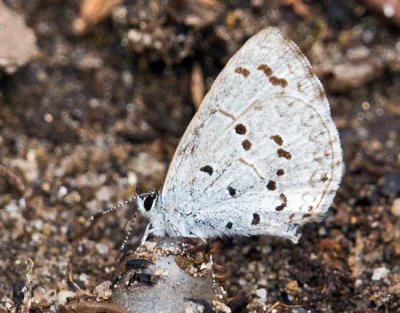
(279, 303)
(18, 183)
(27, 290)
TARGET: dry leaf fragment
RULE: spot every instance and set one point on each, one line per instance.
(197, 85)
(351, 73)
(17, 41)
(92, 12)
(89, 307)
(389, 8)
(299, 7)
(196, 13)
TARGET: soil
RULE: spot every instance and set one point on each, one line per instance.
(98, 114)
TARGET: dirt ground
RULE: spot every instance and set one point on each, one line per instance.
(99, 112)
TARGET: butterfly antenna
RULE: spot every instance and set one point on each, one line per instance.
(97, 215)
(128, 233)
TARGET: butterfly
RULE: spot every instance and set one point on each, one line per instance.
(261, 156)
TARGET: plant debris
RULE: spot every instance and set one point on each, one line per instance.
(17, 40)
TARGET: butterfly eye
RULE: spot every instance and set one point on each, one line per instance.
(148, 202)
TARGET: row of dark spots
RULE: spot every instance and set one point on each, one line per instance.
(255, 221)
(276, 81)
(282, 153)
(272, 184)
(240, 129)
(280, 172)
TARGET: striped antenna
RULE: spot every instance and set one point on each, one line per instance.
(128, 233)
(97, 215)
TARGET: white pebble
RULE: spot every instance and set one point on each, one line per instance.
(63, 295)
(84, 278)
(388, 9)
(103, 194)
(102, 248)
(380, 273)
(12, 207)
(396, 207)
(103, 291)
(62, 191)
(132, 178)
(262, 294)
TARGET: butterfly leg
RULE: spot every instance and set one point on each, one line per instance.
(146, 234)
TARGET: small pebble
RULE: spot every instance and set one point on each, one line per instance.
(63, 296)
(380, 273)
(396, 207)
(62, 191)
(102, 248)
(221, 307)
(83, 278)
(103, 194)
(262, 294)
(395, 289)
(11, 207)
(301, 310)
(103, 291)
(292, 286)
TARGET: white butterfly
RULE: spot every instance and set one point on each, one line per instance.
(261, 156)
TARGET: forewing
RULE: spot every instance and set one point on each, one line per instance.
(262, 154)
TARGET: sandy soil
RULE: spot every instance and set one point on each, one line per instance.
(99, 113)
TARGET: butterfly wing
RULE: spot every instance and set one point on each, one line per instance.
(262, 154)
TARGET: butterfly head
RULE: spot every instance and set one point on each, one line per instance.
(146, 202)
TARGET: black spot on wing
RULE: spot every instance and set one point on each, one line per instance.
(229, 225)
(232, 191)
(256, 219)
(207, 169)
